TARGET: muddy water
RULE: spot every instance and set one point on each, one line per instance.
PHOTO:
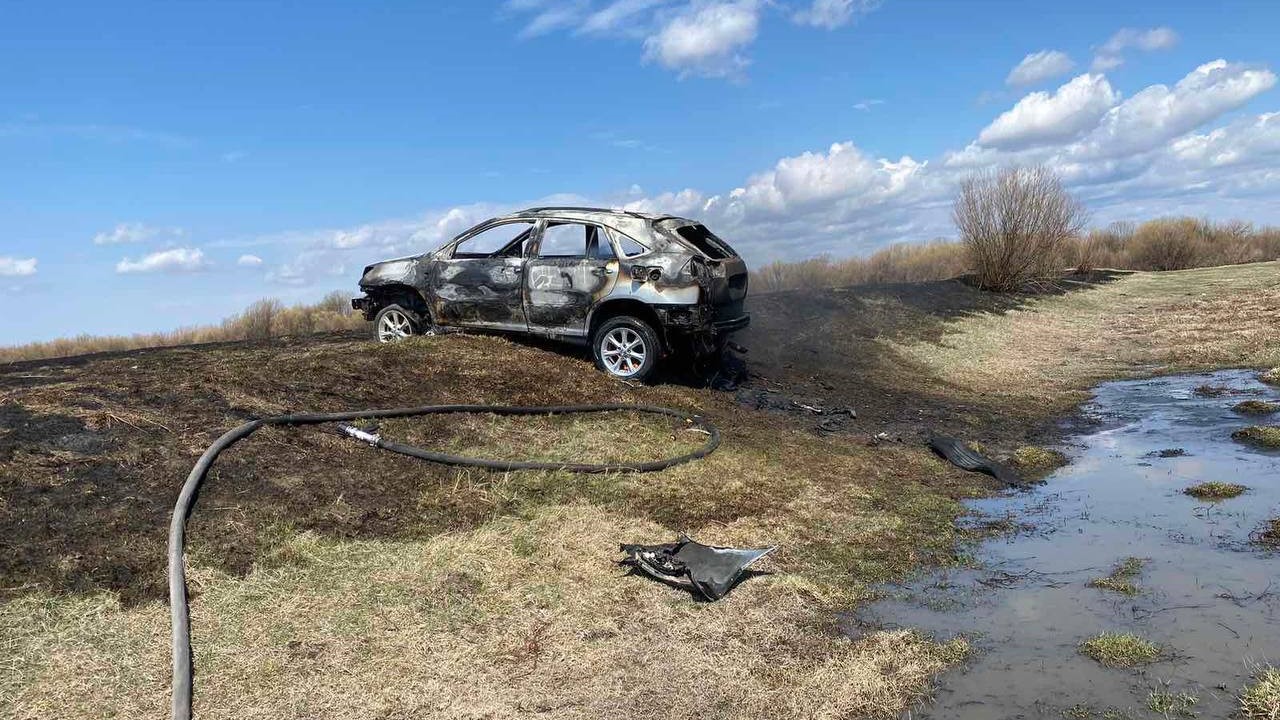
(1208, 595)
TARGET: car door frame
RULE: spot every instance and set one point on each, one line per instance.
(483, 292)
(575, 285)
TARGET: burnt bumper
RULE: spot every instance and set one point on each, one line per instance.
(362, 304)
(724, 327)
(699, 320)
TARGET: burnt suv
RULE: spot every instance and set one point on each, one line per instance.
(634, 286)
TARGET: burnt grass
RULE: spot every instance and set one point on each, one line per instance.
(94, 448)
(821, 348)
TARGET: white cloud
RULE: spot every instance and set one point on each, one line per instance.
(1110, 54)
(706, 38)
(831, 14)
(170, 261)
(1040, 66)
(135, 232)
(1158, 113)
(620, 16)
(1250, 140)
(1041, 118)
(865, 105)
(548, 15)
(17, 267)
(249, 261)
(844, 199)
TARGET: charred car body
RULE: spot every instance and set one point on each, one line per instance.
(634, 286)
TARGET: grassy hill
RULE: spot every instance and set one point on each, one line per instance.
(333, 580)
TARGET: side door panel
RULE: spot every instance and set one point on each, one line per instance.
(573, 268)
(479, 289)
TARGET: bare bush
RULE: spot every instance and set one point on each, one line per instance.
(1016, 223)
(1168, 244)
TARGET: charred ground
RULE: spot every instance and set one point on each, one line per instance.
(92, 448)
(489, 589)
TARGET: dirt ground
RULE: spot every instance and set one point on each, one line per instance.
(318, 563)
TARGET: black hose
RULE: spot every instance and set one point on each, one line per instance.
(183, 667)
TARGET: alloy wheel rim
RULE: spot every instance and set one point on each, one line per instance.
(623, 351)
(394, 326)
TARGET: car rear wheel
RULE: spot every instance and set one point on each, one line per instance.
(394, 323)
(626, 347)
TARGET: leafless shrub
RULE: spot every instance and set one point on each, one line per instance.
(1016, 223)
(258, 320)
(1169, 244)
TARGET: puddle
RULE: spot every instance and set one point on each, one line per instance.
(1207, 595)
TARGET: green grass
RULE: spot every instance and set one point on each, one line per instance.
(1261, 700)
(1256, 407)
(1266, 437)
(1037, 461)
(1121, 577)
(1171, 704)
(1120, 650)
(1269, 534)
(1215, 490)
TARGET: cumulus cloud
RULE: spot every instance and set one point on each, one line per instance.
(706, 39)
(1038, 67)
(1110, 54)
(1159, 113)
(249, 261)
(1041, 118)
(1155, 152)
(175, 260)
(17, 267)
(135, 232)
(831, 14)
(1249, 140)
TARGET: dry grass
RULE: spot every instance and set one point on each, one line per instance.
(1256, 407)
(1049, 352)
(521, 616)
(1035, 461)
(1266, 437)
(1172, 704)
(1268, 535)
(1159, 244)
(1120, 579)
(263, 319)
(904, 262)
(480, 594)
(1215, 490)
(1261, 700)
(1271, 377)
(1120, 650)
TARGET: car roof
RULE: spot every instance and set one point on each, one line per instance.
(596, 214)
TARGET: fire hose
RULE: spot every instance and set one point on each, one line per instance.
(183, 666)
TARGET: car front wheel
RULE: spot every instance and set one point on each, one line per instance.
(394, 323)
(626, 347)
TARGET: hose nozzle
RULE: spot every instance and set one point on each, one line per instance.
(359, 434)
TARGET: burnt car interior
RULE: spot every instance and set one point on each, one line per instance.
(478, 246)
(705, 241)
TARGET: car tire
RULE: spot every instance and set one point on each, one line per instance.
(626, 348)
(394, 323)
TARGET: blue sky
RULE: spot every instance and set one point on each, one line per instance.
(166, 163)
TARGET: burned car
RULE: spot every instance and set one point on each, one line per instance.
(633, 286)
